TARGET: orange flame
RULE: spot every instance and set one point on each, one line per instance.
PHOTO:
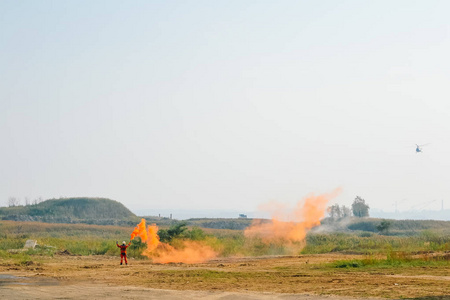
(292, 226)
(189, 252)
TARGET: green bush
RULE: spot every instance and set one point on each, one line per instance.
(196, 234)
(175, 231)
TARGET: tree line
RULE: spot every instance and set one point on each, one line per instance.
(15, 201)
(358, 209)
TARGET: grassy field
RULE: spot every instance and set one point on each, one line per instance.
(359, 264)
(82, 239)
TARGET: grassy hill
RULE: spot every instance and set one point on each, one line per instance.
(99, 211)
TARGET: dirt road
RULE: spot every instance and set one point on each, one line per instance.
(102, 291)
(296, 277)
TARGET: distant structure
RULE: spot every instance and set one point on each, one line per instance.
(30, 244)
(242, 216)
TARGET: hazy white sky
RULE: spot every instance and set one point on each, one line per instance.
(225, 104)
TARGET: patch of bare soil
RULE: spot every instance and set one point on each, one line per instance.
(281, 277)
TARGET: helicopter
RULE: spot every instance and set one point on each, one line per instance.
(419, 148)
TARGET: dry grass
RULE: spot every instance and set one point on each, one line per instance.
(312, 274)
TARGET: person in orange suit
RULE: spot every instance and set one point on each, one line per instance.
(123, 251)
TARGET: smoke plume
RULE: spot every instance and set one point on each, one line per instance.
(291, 225)
(159, 252)
(288, 228)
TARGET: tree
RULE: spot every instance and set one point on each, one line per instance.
(13, 201)
(346, 212)
(37, 201)
(360, 208)
(384, 226)
(335, 211)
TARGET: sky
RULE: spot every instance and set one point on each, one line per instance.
(225, 105)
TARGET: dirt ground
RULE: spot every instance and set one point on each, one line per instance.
(293, 277)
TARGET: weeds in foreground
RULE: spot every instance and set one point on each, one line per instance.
(396, 259)
(374, 243)
(25, 258)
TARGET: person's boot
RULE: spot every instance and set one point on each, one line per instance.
(120, 263)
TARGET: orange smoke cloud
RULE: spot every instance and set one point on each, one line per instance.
(153, 238)
(189, 251)
(291, 226)
(192, 252)
(140, 231)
